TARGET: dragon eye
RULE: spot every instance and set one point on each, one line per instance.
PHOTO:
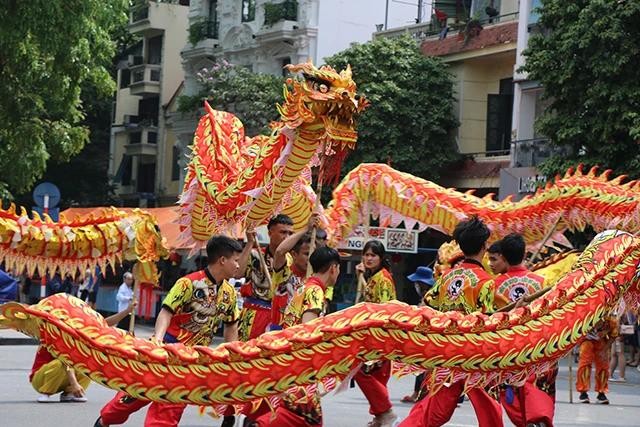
(199, 293)
(323, 88)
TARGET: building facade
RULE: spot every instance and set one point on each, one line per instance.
(143, 161)
(478, 41)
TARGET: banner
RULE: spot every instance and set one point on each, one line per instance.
(393, 239)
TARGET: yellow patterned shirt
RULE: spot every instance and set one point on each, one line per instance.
(311, 298)
(198, 306)
(380, 288)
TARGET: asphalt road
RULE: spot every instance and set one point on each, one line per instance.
(18, 406)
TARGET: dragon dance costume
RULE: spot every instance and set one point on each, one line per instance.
(299, 407)
(373, 378)
(528, 404)
(461, 288)
(198, 305)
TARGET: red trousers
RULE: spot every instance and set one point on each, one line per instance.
(283, 418)
(436, 410)
(593, 352)
(530, 405)
(117, 411)
(374, 387)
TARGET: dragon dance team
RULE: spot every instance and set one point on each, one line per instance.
(278, 294)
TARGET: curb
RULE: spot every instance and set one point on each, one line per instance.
(19, 341)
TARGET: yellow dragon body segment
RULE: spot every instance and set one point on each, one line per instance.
(234, 180)
(76, 245)
(482, 349)
(576, 200)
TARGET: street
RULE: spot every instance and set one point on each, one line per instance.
(18, 405)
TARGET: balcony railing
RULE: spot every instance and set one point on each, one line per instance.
(532, 152)
(139, 13)
(276, 12)
(203, 30)
(145, 73)
(428, 30)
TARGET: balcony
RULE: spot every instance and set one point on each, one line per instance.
(145, 80)
(142, 142)
(144, 19)
(280, 21)
(532, 152)
(203, 40)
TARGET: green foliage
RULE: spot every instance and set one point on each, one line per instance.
(410, 122)
(276, 12)
(588, 60)
(250, 96)
(201, 30)
(51, 50)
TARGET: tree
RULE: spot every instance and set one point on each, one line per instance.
(51, 51)
(410, 122)
(587, 59)
(250, 96)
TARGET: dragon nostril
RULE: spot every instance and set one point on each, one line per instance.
(345, 94)
(357, 97)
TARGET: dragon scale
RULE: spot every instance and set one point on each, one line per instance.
(484, 350)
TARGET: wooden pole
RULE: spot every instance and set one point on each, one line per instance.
(571, 377)
(312, 245)
(367, 222)
(263, 263)
(544, 241)
(526, 299)
(132, 315)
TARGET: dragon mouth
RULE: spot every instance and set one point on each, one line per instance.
(339, 122)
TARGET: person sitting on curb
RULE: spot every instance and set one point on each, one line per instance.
(49, 376)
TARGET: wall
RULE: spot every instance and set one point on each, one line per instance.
(476, 78)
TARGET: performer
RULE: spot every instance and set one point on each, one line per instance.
(497, 263)
(49, 376)
(459, 289)
(299, 408)
(124, 297)
(373, 377)
(595, 350)
(526, 405)
(256, 309)
(290, 269)
(517, 281)
(190, 314)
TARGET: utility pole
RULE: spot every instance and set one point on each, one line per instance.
(419, 20)
(386, 15)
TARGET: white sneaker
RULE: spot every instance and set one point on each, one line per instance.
(617, 380)
(384, 420)
(46, 398)
(64, 397)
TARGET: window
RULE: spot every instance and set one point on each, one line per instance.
(125, 77)
(284, 62)
(499, 111)
(123, 175)
(175, 164)
(154, 48)
(248, 10)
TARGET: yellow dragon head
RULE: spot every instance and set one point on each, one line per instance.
(325, 98)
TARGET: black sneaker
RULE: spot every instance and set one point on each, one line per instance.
(584, 397)
(602, 399)
(98, 423)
